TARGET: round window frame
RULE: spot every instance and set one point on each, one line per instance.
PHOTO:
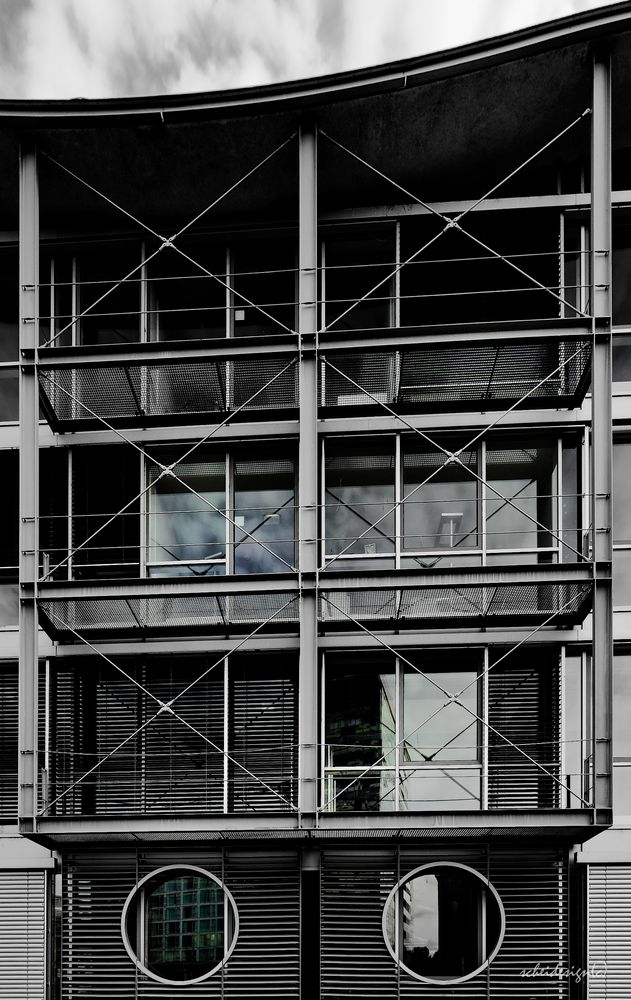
(130, 900)
(429, 867)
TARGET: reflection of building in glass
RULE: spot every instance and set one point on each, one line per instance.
(312, 551)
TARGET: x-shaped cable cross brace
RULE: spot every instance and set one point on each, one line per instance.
(167, 707)
(451, 457)
(454, 223)
(169, 242)
(451, 699)
(166, 470)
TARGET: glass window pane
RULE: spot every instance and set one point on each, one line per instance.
(265, 275)
(360, 493)
(622, 578)
(185, 524)
(9, 304)
(621, 358)
(442, 514)
(264, 507)
(355, 263)
(621, 491)
(524, 474)
(111, 306)
(185, 301)
(621, 705)
(621, 267)
(9, 394)
(363, 793)
(445, 789)
(434, 730)
(443, 923)
(570, 511)
(622, 791)
(360, 715)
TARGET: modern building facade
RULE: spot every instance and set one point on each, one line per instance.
(315, 660)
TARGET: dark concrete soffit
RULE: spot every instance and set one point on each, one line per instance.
(593, 25)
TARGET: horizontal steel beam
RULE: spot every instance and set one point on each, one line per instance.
(169, 587)
(329, 582)
(182, 352)
(436, 336)
(562, 822)
(468, 576)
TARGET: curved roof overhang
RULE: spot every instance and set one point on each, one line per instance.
(445, 126)
(587, 26)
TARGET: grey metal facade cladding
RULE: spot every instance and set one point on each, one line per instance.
(182, 710)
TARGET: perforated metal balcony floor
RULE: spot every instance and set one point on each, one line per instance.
(403, 599)
(422, 370)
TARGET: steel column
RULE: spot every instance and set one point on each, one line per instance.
(601, 431)
(29, 481)
(308, 465)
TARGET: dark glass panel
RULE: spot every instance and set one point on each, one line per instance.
(105, 480)
(264, 507)
(359, 264)
(449, 923)
(186, 526)
(265, 276)
(111, 306)
(359, 493)
(360, 715)
(9, 304)
(524, 474)
(442, 513)
(187, 297)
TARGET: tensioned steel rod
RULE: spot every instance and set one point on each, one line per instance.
(164, 706)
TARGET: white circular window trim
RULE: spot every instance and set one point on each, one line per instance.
(130, 899)
(413, 874)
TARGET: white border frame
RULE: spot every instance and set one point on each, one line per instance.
(128, 902)
(443, 864)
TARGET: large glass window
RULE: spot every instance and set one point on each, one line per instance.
(392, 501)
(622, 736)
(392, 738)
(622, 523)
(360, 491)
(443, 923)
(186, 526)
(179, 925)
(194, 531)
(440, 513)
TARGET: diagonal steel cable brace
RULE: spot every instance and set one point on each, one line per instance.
(487, 671)
(165, 706)
(186, 454)
(452, 699)
(165, 241)
(454, 223)
(450, 457)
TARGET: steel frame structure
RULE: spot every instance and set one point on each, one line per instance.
(310, 346)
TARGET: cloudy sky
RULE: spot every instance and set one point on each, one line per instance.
(115, 48)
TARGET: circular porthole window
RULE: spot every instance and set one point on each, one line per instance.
(443, 923)
(179, 924)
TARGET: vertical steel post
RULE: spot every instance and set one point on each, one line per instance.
(29, 481)
(602, 699)
(308, 467)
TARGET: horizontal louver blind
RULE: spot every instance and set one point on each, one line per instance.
(356, 963)
(524, 708)
(22, 935)
(8, 742)
(263, 740)
(264, 963)
(609, 932)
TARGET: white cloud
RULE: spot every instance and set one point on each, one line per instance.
(103, 48)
